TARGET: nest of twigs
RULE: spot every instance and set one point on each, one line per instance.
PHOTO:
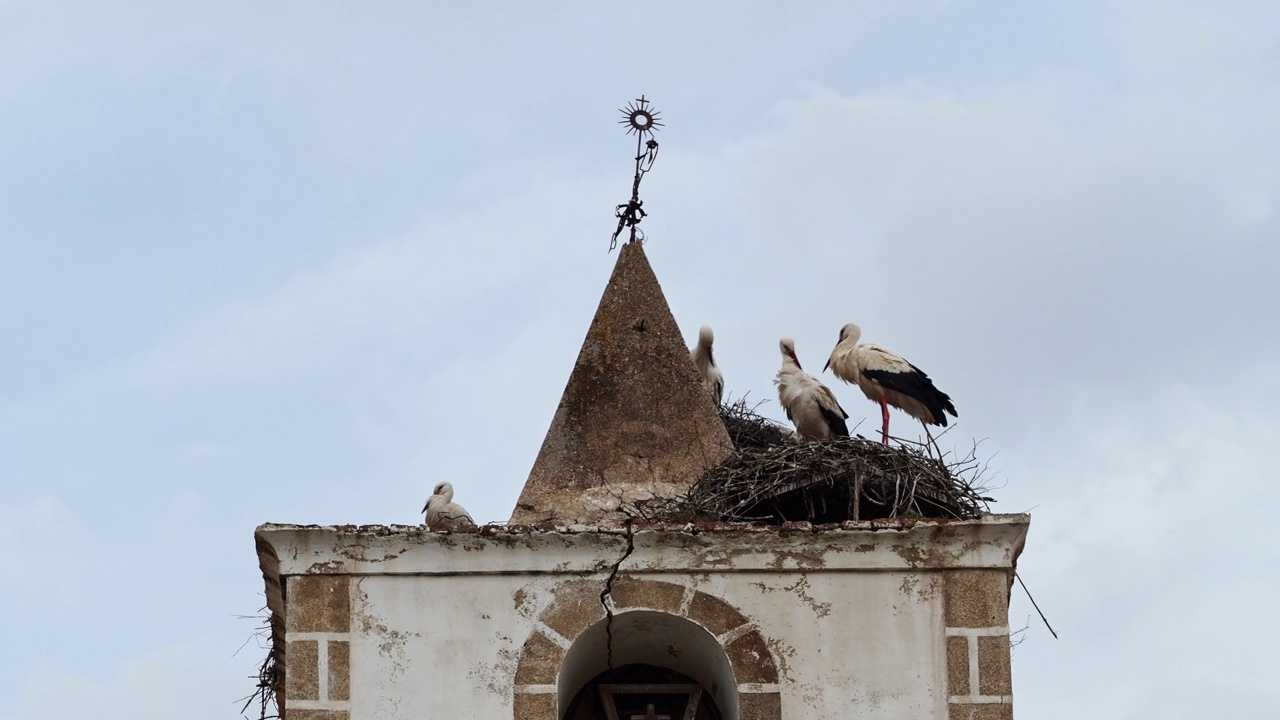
(774, 477)
(750, 430)
(267, 678)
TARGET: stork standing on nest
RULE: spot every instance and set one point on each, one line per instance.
(443, 513)
(888, 379)
(809, 404)
(712, 378)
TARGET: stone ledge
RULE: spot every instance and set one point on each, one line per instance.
(992, 541)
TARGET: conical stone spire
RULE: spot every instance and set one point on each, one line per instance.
(634, 421)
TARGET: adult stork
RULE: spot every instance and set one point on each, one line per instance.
(888, 379)
(712, 378)
(443, 513)
(809, 404)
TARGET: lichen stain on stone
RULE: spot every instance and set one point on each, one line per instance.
(930, 587)
(357, 553)
(835, 548)
(329, 567)
(910, 584)
(798, 560)
(497, 677)
(781, 653)
(392, 641)
(800, 588)
(912, 554)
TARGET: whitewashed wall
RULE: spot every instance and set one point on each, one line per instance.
(853, 617)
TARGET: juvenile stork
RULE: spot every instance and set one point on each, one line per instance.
(888, 379)
(712, 378)
(443, 513)
(809, 404)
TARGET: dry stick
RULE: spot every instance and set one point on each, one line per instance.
(1020, 634)
(757, 474)
(1034, 605)
(929, 435)
(897, 494)
(857, 490)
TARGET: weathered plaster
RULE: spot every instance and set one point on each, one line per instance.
(896, 620)
(989, 542)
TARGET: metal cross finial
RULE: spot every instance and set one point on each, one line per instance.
(641, 119)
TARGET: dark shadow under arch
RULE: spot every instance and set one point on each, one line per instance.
(588, 703)
(650, 638)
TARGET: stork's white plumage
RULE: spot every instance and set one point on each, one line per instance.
(712, 378)
(888, 379)
(443, 513)
(809, 404)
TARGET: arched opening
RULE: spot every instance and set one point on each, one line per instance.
(641, 691)
(653, 639)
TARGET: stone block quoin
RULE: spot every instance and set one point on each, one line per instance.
(976, 613)
(317, 657)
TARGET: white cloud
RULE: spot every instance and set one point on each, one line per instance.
(1148, 551)
(990, 235)
(1084, 261)
(192, 679)
(50, 561)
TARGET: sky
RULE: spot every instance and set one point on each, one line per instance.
(298, 262)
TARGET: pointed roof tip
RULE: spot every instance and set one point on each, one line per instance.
(634, 420)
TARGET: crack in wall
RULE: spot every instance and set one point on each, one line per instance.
(608, 590)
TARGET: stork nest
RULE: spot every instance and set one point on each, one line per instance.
(268, 676)
(750, 430)
(775, 477)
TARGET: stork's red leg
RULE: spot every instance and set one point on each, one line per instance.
(884, 413)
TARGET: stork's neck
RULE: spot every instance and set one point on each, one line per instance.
(845, 346)
(702, 356)
(851, 337)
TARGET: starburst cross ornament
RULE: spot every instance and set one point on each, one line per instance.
(640, 118)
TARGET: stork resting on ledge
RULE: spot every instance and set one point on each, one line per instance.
(442, 513)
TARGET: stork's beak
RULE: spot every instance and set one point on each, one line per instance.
(425, 504)
(824, 367)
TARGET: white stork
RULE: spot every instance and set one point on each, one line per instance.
(888, 379)
(712, 378)
(809, 404)
(443, 513)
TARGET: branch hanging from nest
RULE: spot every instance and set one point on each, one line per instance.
(264, 693)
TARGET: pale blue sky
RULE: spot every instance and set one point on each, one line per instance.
(297, 262)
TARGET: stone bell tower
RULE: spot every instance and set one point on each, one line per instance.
(634, 421)
(573, 612)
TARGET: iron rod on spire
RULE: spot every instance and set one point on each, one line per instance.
(640, 118)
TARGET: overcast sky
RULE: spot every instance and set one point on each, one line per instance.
(297, 262)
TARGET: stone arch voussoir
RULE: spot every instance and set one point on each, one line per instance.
(576, 607)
